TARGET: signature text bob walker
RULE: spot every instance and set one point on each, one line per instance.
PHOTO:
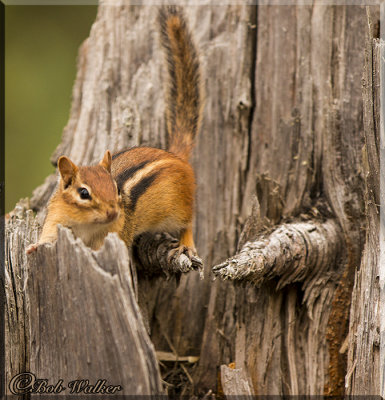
(28, 383)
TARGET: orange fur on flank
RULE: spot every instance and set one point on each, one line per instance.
(141, 189)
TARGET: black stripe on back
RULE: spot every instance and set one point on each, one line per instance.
(128, 173)
(116, 155)
(141, 187)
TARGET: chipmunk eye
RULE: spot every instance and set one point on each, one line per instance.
(84, 194)
(119, 191)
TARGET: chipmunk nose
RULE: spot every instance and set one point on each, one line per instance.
(111, 214)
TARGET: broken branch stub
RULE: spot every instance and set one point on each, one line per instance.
(292, 252)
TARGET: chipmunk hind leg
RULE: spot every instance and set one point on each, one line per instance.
(186, 244)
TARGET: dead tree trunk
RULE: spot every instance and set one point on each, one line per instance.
(283, 192)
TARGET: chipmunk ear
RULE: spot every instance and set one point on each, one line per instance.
(67, 170)
(106, 162)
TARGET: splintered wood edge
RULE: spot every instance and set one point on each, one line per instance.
(73, 271)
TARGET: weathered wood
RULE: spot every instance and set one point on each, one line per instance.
(340, 113)
(364, 366)
(85, 322)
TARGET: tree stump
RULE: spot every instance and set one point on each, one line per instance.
(287, 164)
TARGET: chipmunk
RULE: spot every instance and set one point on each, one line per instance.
(141, 189)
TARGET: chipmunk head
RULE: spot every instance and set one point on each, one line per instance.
(91, 191)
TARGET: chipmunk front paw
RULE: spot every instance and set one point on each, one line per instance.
(32, 248)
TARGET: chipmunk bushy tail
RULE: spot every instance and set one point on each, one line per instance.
(184, 94)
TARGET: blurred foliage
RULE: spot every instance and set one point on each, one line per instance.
(41, 46)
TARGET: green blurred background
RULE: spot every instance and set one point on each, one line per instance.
(41, 46)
